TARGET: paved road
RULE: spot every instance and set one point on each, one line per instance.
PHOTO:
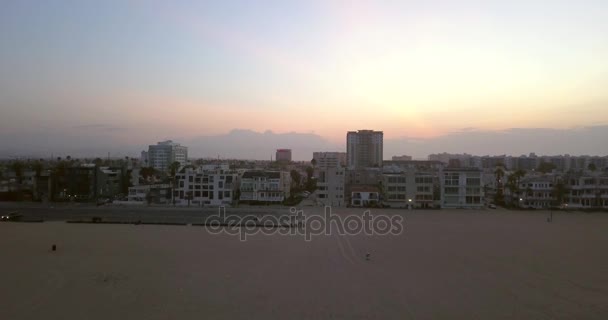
(445, 265)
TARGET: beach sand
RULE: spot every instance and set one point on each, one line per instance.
(448, 264)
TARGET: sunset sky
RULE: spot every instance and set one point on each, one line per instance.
(143, 71)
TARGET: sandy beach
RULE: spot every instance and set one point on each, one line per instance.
(448, 264)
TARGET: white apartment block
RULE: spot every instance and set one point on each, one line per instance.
(410, 189)
(330, 175)
(586, 191)
(364, 148)
(461, 188)
(537, 192)
(364, 196)
(163, 154)
(200, 187)
(330, 186)
(265, 186)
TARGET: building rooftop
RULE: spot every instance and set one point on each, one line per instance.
(264, 174)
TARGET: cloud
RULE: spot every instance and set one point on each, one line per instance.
(99, 127)
(592, 140)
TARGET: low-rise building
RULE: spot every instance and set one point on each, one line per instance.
(537, 192)
(151, 193)
(365, 196)
(461, 188)
(586, 191)
(205, 186)
(265, 186)
(410, 189)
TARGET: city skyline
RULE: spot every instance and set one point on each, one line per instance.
(248, 144)
(106, 77)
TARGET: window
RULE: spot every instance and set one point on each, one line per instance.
(473, 181)
(451, 190)
(452, 179)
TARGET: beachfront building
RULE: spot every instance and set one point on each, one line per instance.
(365, 196)
(211, 185)
(150, 194)
(265, 186)
(410, 189)
(330, 176)
(537, 192)
(586, 191)
(461, 188)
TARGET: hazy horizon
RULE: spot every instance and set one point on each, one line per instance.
(87, 78)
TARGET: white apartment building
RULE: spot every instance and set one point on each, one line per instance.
(163, 154)
(410, 189)
(586, 191)
(330, 176)
(364, 196)
(265, 186)
(537, 192)
(364, 148)
(205, 186)
(461, 188)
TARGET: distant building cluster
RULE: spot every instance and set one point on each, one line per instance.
(355, 177)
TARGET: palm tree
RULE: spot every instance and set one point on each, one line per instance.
(17, 166)
(499, 173)
(512, 186)
(173, 170)
(518, 175)
(37, 167)
(559, 192)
